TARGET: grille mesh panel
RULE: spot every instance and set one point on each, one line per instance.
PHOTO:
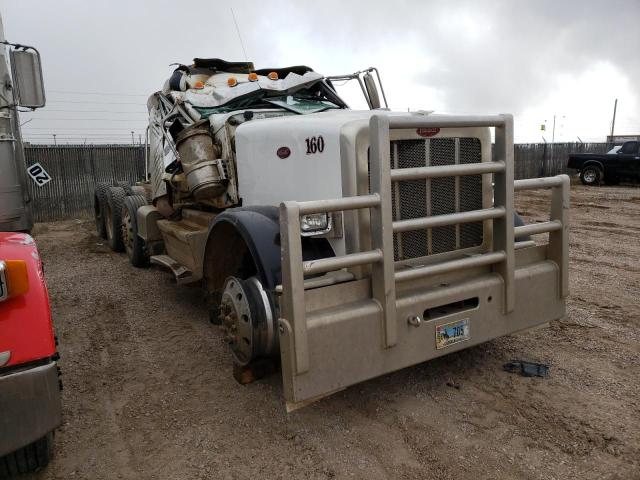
(409, 198)
(442, 195)
(470, 233)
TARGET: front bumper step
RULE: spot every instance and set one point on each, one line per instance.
(30, 406)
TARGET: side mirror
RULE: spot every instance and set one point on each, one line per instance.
(372, 91)
(27, 78)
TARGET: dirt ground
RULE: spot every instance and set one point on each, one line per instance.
(148, 391)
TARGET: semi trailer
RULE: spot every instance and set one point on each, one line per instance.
(30, 405)
(338, 244)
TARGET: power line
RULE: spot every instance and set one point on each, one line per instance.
(92, 119)
(78, 128)
(88, 143)
(66, 92)
(88, 134)
(86, 111)
(96, 103)
(79, 134)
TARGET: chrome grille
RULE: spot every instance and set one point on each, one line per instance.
(438, 196)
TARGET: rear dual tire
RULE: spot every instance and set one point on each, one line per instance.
(134, 245)
(108, 204)
(113, 218)
(99, 205)
(131, 189)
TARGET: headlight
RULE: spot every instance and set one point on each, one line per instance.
(315, 223)
(14, 279)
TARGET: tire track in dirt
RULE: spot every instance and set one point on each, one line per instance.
(149, 392)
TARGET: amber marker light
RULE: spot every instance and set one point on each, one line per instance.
(253, 77)
(14, 278)
(273, 75)
(232, 81)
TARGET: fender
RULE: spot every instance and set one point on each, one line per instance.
(26, 329)
(589, 163)
(245, 241)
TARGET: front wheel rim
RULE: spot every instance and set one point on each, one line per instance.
(590, 176)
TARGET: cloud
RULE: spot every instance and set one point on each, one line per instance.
(526, 58)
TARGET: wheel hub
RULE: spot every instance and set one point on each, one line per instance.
(590, 176)
(246, 320)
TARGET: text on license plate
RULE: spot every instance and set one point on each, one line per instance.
(450, 333)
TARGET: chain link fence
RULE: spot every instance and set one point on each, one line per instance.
(75, 170)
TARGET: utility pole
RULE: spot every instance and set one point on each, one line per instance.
(140, 138)
(553, 133)
(613, 122)
(54, 139)
(132, 140)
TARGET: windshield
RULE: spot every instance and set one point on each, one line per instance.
(315, 98)
(301, 103)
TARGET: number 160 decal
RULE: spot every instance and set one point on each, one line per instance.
(314, 144)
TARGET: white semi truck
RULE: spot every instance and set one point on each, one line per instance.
(339, 244)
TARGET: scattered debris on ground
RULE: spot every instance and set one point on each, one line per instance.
(526, 369)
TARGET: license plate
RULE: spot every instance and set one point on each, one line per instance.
(450, 333)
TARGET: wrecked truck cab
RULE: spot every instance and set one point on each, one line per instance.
(316, 229)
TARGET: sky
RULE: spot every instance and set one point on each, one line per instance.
(534, 59)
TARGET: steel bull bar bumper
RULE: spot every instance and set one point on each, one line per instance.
(347, 326)
(29, 406)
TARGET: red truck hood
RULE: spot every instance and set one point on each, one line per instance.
(26, 330)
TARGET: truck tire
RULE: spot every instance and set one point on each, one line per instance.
(134, 245)
(99, 202)
(138, 190)
(113, 218)
(31, 458)
(591, 175)
(125, 186)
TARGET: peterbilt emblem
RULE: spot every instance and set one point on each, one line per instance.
(427, 131)
(283, 152)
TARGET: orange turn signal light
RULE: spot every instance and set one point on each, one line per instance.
(199, 84)
(14, 278)
(273, 75)
(232, 81)
(253, 77)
